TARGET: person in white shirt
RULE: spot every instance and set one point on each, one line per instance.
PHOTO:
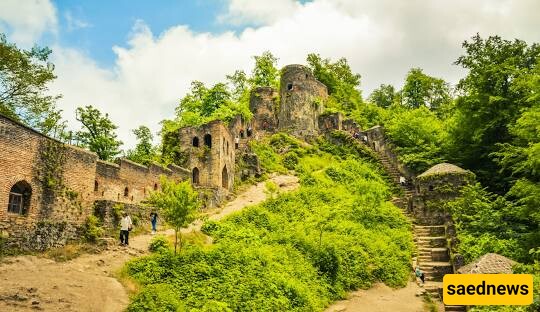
(125, 227)
(236, 142)
(402, 180)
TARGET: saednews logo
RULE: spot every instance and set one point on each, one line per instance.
(488, 289)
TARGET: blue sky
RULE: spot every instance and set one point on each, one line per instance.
(135, 59)
(103, 24)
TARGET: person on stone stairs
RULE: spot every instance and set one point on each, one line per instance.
(420, 274)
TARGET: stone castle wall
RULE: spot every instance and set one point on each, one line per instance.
(63, 182)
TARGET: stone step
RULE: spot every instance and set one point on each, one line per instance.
(454, 308)
(431, 241)
(433, 230)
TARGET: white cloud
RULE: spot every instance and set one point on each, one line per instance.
(381, 39)
(26, 21)
(74, 23)
(258, 12)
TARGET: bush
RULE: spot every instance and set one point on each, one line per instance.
(92, 229)
(159, 243)
(157, 298)
(290, 160)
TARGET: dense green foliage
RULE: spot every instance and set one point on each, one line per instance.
(421, 90)
(24, 79)
(491, 128)
(341, 82)
(419, 136)
(97, 133)
(295, 252)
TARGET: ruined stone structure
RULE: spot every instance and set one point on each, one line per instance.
(302, 99)
(332, 121)
(49, 188)
(211, 158)
(263, 103)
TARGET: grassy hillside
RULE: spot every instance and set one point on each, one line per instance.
(296, 252)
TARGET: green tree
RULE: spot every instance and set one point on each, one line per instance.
(423, 90)
(342, 84)
(383, 96)
(265, 72)
(144, 151)
(178, 203)
(419, 136)
(98, 133)
(24, 79)
(494, 94)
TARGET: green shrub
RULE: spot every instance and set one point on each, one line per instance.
(92, 229)
(158, 244)
(290, 160)
(156, 298)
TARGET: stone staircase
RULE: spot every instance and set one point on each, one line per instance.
(433, 254)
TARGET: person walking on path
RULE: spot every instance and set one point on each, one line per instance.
(125, 227)
(420, 275)
(153, 219)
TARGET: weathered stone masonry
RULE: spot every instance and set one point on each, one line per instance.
(58, 185)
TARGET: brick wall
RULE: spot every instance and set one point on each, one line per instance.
(65, 181)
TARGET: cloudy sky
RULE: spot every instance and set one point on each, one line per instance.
(135, 59)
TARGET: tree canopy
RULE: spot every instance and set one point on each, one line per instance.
(144, 152)
(24, 93)
(97, 133)
(341, 82)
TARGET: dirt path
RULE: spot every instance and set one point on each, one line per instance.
(29, 283)
(381, 298)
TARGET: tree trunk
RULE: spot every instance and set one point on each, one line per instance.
(175, 239)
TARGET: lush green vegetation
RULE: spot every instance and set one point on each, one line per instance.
(296, 252)
(489, 125)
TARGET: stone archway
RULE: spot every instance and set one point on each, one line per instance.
(225, 178)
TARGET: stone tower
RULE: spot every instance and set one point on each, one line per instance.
(302, 98)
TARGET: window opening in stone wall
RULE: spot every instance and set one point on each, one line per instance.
(126, 192)
(208, 140)
(195, 176)
(19, 198)
(155, 186)
(223, 144)
(225, 178)
(306, 76)
(227, 147)
(289, 86)
(430, 188)
(195, 142)
(96, 186)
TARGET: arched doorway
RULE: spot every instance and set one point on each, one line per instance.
(19, 198)
(195, 176)
(225, 178)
